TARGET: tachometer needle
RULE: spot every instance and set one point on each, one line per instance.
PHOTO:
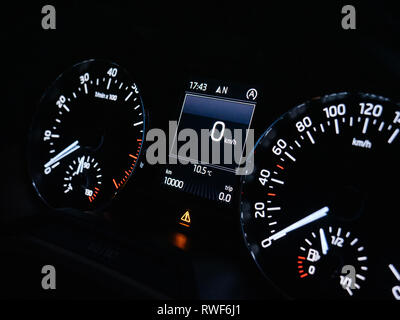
(68, 150)
(301, 223)
(324, 243)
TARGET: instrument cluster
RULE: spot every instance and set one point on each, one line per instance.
(272, 164)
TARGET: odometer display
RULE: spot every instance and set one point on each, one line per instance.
(320, 211)
(219, 116)
(86, 137)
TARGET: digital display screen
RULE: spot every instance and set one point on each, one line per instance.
(210, 138)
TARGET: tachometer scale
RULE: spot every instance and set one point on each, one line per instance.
(320, 210)
(87, 135)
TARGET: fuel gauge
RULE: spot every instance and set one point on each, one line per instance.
(332, 260)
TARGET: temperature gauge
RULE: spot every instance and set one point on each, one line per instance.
(83, 179)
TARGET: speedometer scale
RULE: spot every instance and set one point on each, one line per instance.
(87, 136)
(320, 210)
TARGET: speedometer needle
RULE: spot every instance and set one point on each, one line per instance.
(68, 150)
(301, 223)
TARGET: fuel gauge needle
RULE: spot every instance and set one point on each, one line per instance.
(324, 243)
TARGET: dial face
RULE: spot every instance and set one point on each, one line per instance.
(320, 211)
(86, 137)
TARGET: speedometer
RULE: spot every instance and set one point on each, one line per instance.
(86, 138)
(320, 211)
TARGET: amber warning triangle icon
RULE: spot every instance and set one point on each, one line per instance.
(185, 219)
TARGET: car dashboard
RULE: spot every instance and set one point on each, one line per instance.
(97, 183)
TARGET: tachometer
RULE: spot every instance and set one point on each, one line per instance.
(320, 211)
(87, 135)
